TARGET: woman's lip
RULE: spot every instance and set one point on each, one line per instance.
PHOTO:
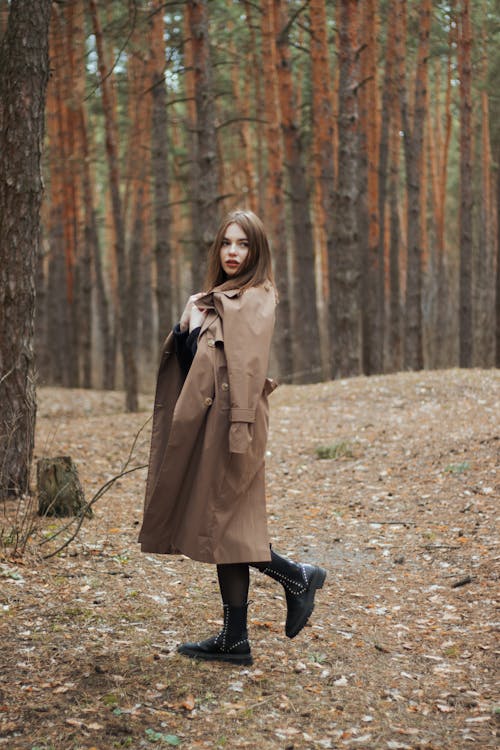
(232, 263)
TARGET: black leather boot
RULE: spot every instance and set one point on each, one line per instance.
(300, 582)
(230, 645)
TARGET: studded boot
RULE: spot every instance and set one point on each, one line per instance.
(230, 645)
(300, 582)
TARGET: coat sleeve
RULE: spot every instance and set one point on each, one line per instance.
(248, 323)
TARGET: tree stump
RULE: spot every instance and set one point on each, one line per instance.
(59, 490)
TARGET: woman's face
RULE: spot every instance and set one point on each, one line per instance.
(234, 250)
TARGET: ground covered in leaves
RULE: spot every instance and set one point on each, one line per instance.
(391, 483)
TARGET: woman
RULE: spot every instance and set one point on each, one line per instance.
(205, 494)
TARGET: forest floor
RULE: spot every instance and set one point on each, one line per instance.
(400, 652)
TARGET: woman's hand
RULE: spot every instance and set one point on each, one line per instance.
(192, 317)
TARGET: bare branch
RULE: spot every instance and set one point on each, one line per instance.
(285, 30)
(100, 492)
(120, 51)
(105, 487)
(238, 119)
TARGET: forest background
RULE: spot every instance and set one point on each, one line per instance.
(365, 134)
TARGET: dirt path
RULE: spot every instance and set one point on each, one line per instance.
(402, 648)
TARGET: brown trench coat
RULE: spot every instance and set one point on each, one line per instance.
(205, 492)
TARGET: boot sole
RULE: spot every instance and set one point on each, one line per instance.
(316, 582)
(229, 658)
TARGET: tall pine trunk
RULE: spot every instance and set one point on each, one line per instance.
(206, 188)
(484, 325)
(255, 71)
(414, 142)
(345, 265)
(323, 125)
(60, 342)
(275, 205)
(391, 129)
(125, 327)
(387, 135)
(395, 348)
(83, 290)
(306, 349)
(497, 284)
(160, 166)
(466, 177)
(24, 70)
(373, 259)
(440, 136)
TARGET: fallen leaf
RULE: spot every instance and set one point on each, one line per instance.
(188, 703)
(75, 723)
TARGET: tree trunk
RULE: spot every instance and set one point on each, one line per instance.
(128, 354)
(254, 70)
(92, 247)
(373, 265)
(445, 318)
(83, 291)
(392, 101)
(61, 55)
(42, 360)
(60, 341)
(206, 190)
(439, 141)
(275, 206)
(388, 134)
(4, 15)
(484, 324)
(24, 69)
(160, 166)
(394, 332)
(466, 186)
(345, 271)
(56, 313)
(306, 349)
(413, 141)
(323, 128)
(59, 490)
(180, 226)
(137, 267)
(497, 285)
(188, 141)
(140, 100)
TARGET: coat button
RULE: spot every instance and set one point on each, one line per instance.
(210, 342)
(225, 386)
(208, 401)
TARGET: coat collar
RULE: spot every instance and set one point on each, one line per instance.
(208, 301)
(227, 292)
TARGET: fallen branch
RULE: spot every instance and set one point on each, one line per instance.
(105, 487)
(461, 582)
(100, 492)
(378, 646)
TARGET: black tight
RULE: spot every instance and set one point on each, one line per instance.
(233, 583)
(234, 580)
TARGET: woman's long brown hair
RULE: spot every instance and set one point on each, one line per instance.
(257, 266)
